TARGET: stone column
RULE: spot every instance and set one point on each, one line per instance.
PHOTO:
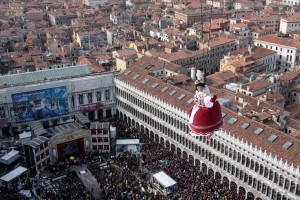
(85, 99)
(76, 101)
(96, 114)
(104, 113)
(94, 99)
(70, 103)
(111, 90)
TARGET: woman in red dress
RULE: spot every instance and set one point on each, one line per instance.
(205, 116)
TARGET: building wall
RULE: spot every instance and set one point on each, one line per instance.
(236, 161)
(287, 57)
(287, 26)
(81, 91)
(121, 64)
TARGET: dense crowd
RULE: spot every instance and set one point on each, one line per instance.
(69, 188)
(126, 181)
(127, 175)
(11, 193)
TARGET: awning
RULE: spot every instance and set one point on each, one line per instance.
(13, 174)
(82, 118)
(38, 128)
(128, 142)
(165, 180)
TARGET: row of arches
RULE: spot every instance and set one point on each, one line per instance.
(236, 157)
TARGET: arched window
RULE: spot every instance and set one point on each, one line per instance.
(266, 174)
(276, 178)
(281, 181)
(293, 186)
(256, 167)
(287, 184)
(271, 176)
(239, 157)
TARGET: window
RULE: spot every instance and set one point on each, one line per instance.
(127, 72)
(80, 99)
(90, 97)
(136, 76)
(287, 145)
(145, 80)
(245, 125)
(2, 112)
(181, 96)
(98, 95)
(154, 85)
(164, 89)
(272, 138)
(107, 94)
(232, 120)
(172, 92)
(258, 131)
(223, 114)
(190, 101)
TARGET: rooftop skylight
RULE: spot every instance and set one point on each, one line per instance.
(258, 131)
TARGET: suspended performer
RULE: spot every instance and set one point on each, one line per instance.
(205, 116)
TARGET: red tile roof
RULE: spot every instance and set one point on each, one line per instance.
(261, 141)
(284, 41)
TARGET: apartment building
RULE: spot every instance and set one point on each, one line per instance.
(287, 48)
(290, 23)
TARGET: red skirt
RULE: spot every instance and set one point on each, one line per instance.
(206, 120)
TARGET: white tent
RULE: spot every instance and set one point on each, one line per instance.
(10, 157)
(129, 144)
(164, 179)
(13, 174)
(164, 183)
(25, 137)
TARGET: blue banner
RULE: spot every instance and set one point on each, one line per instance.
(40, 104)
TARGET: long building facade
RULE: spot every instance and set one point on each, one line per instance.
(54, 96)
(258, 161)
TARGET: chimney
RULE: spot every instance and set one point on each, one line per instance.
(193, 73)
(248, 88)
(251, 78)
(275, 100)
(258, 102)
(147, 43)
(265, 97)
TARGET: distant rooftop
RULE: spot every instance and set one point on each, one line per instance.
(43, 75)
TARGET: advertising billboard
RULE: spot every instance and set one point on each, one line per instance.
(40, 104)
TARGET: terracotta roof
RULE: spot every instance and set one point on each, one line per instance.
(219, 41)
(257, 84)
(148, 64)
(92, 64)
(261, 141)
(294, 110)
(220, 78)
(284, 41)
(240, 25)
(179, 55)
(288, 76)
(257, 53)
(271, 97)
(34, 11)
(293, 18)
(295, 86)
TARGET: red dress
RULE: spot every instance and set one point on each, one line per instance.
(206, 120)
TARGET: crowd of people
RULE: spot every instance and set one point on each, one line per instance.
(127, 175)
(68, 188)
(11, 193)
(125, 180)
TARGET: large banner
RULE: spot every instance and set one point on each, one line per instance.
(40, 104)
